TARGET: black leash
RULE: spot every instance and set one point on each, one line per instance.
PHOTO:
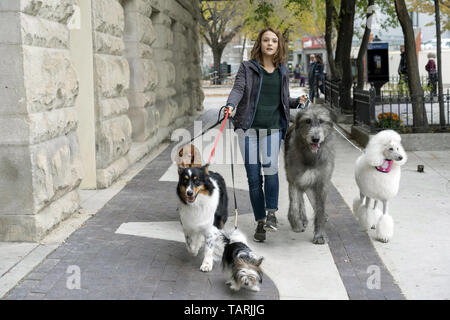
(214, 125)
(232, 177)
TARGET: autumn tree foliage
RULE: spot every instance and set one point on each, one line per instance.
(293, 18)
(220, 21)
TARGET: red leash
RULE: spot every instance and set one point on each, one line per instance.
(218, 137)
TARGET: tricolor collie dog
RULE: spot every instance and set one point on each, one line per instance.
(240, 262)
(203, 209)
(377, 174)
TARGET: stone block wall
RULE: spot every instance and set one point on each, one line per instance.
(40, 166)
(162, 47)
(176, 48)
(139, 37)
(111, 81)
(146, 83)
(195, 70)
(181, 61)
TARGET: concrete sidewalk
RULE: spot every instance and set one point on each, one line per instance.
(128, 244)
(418, 256)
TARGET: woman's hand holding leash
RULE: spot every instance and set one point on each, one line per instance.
(303, 102)
(229, 109)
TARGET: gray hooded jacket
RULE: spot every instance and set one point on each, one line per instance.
(246, 91)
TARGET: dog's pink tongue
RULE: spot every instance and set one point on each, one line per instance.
(315, 146)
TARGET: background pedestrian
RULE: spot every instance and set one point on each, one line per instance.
(319, 74)
(302, 75)
(430, 67)
(311, 75)
(403, 65)
(297, 73)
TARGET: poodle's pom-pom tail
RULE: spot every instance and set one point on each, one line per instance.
(357, 202)
(385, 228)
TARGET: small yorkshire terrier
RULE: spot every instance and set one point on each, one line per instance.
(188, 156)
(241, 262)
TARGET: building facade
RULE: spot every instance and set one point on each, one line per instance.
(87, 88)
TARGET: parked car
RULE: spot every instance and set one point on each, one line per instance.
(432, 44)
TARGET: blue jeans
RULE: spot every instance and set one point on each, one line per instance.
(259, 150)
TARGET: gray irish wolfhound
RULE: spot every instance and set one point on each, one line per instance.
(309, 164)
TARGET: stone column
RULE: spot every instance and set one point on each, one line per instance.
(163, 54)
(82, 58)
(111, 81)
(197, 94)
(182, 61)
(139, 36)
(40, 167)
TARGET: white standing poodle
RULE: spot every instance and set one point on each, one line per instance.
(377, 175)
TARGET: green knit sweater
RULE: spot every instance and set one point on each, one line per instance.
(268, 109)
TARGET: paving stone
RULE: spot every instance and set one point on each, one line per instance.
(36, 276)
(46, 284)
(21, 290)
(34, 296)
(153, 273)
(60, 253)
(47, 265)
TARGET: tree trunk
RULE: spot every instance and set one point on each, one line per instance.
(363, 48)
(329, 37)
(217, 57)
(439, 64)
(343, 51)
(415, 88)
(286, 38)
(243, 48)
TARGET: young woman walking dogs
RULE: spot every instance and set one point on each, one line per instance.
(260, 96)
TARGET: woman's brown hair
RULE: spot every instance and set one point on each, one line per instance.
(278, 57)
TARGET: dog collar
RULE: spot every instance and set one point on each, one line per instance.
(385, 166)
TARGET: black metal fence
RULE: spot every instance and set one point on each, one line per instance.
(364, 108)
(393, 109)
(224, 78)
(333, 93)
